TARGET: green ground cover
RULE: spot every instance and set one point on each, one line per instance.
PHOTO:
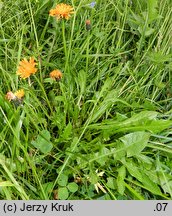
(102, 131)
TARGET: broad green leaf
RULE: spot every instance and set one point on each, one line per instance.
(48, 188)
(110, 183)
(93, 178)
(153, 175)
(145, 160)
(165, 181)
(120, 152)
(140, 118)
(133, 170)
(136, 194)
(63, 193)
(150, 185)
(136, 120)
(120, 180)
(72, 187)
(135, 142)
(143, 121)
(157, 126)
(63, 180)
(138, 173)
(102, 160)
(43, 142)
(154, 126)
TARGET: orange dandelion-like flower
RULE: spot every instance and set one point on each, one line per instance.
(62, 11)
(19, 94)
(56, 74)
(26, 68)
(10, 96)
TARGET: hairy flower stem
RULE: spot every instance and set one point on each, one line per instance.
(64, 45)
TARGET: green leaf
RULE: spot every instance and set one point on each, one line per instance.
(71, 148)
(145, 160)
(149, 31)
(63, 180)
(152, 10)
(143, 121)
(157, 126)
(135, 142)
(158, 57)
(93, 178)
(108, 101)
(67, 131)
(137, 195)
(48, 188)
(72, 187)
(110, 183)
(6, 184)
(120, 180)
(63, 193)
(140, 118)
(43, 142)
(148, 184)
(102, 160)
(137, 119)
(120, 152)
(133, 170)
(82, 77)
(48, 80)
(153, 174)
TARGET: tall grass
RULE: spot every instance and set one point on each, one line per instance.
(104, 130)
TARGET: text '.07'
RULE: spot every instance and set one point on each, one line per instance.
(161, 207)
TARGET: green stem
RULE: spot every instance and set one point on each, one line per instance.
(87, 52)
(64, 44)
(45, 94)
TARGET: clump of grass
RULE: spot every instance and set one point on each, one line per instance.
(90, 116)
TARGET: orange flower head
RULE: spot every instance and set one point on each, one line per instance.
(56, 75)
(10, 96)
(19, 94)
(88, 24)
(61, 11)
(26, 68)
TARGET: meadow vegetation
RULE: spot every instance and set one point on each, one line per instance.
(86, 100)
